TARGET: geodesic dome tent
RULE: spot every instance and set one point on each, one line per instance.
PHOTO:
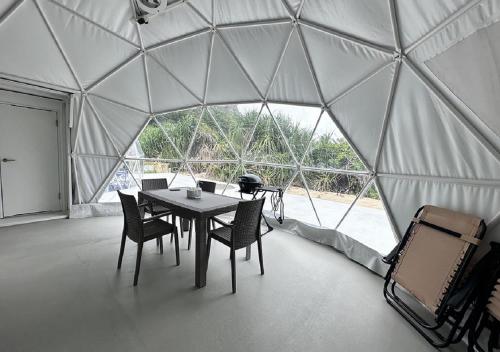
(362, 110)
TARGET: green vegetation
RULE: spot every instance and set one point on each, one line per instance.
(325, 151)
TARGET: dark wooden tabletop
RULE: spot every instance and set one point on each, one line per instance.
(207, 204)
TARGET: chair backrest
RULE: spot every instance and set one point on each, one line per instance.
(132, 217)
(247, 222)
(149, 184)
(207, 186)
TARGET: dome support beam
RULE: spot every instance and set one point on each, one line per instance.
(10, 11)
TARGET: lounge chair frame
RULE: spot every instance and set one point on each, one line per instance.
(452, 310)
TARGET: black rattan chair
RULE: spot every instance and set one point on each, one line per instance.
(141, 230)
(206, 186)
(241, 233)
(150, 184)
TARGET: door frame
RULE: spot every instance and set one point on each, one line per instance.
(23, 95)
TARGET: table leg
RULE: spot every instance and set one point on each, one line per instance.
(201, 252)
(248, 255)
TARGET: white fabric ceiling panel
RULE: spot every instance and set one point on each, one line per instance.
(258, 49)
(481, 15)
(405, 196)
(350, 114)
(339, 63)
(294, 81)
(471, 71)
(92, 138)
(192, 72)
(29, 51)
(80, 38)
(204, 7)
(294, 5)
(425, 138)
(166, 92)
(173, 23)
(92, 172)
(420, 17)
(127, 86)
(230, 11)
(366, 19)
(227, 81)
(122, 123)
(118, 21)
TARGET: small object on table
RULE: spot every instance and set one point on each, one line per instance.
(193, 193)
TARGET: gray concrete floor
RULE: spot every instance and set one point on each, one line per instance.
(60, 291)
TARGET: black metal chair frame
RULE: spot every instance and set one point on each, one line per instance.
(245, 230)
(451, 310)
(133, 228)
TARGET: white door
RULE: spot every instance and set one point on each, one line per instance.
(29, 160)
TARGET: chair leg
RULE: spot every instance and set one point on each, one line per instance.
(160, 240)
(176, 237)
(209, 243)
(138, 263)
(261, 258)
(190, 233)
(233, 270)
(122, 249)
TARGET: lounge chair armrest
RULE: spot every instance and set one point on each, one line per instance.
(145, 204)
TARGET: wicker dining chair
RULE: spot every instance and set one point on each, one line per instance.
(206, 186)
(150, 184)
(141, 230)
(241, 233)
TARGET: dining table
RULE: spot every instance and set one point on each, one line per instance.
(201, 210)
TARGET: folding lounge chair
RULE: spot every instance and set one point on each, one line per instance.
(427, 268)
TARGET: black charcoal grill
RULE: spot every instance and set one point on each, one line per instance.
(249, 183)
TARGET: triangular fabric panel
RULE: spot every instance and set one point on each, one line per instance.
(75, 102)
(92, 138)
(470, 70)
(366, 19)
(92, 172)
(204, 7)
(118, 21)
(363, 122)
(294, 5)
(258, 49)
(208, 143)
(302, 210)
(180, 127)
(191, 73)
(339, 64)
(153, 144)
(79, 38)
(267, 144)
(226, 11)
(122, 123)
(226, 81)
(173, 23)
(405, 196)
(367, 222)
(330, 150)
(166, 92)
(117, 87)
(297, 123)
(17, 41)
(294, 81)
(237, 122)
(420, 17)
(425, 138)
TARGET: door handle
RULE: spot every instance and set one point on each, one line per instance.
(5, 160)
